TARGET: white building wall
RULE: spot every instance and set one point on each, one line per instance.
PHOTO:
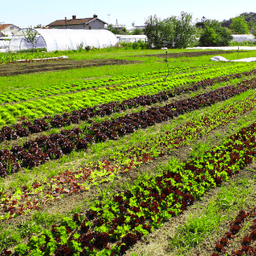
(241, 38)
(10, 30)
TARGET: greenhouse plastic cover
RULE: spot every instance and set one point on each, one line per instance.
(224, 48)
(220, 58)
(4, 44)
(67, 39)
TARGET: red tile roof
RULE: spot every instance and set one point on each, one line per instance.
(72, 22)
(3, 26)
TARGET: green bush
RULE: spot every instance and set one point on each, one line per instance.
(135, 45)
(173, 32)
(214, 34)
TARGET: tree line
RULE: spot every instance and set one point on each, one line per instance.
(180, 32)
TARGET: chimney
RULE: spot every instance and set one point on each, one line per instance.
(116, 22)
(65, 21)
(95, 16)
(73, 17)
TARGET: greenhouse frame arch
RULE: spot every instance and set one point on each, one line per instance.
(66, 39)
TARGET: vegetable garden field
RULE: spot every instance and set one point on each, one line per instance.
(141, 155)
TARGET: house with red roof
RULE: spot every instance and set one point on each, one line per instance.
(8, 29)
(75, 23)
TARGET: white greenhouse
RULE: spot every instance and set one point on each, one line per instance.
(242, 38)
(4, 44)
(66, 39)
(131, 38)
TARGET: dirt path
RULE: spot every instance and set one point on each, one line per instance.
(12, 69)
(188, 54)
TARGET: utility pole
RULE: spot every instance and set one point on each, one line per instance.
(108, 18)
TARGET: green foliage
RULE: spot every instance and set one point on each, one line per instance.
(214, 34)
(184, 30)
(135, 45)
(137, 31)
(30, 36)
(239, 25)
(173, 32)
(117, 31)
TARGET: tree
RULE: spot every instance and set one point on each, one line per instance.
(137, 31)
(214, 34)
(30, 36)
(117, 31)
(184, 30)
(252, 27)
(173, 32)
(152, 31)
(239, 25)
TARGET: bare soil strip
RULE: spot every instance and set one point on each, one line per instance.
(12, 69)
(188, 54)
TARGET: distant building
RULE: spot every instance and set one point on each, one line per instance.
(133, 27)
(8, 29)
(74, 23)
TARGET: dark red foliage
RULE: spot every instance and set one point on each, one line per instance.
(9, 133)
(234, 229)
(63, 250)
(246, 240)
(100, 240)
(224, 241)
(219, 247)
(4, 252)
(253, 235)
(84, 227)
(130, 239)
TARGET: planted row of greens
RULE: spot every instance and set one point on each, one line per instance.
(49, 90)
(235, 226)
(114, 224)
(124, 159)
(90, 98)
(47, 122)
(163, 143)
(37, 152)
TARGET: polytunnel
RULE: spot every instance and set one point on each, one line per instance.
(4, 44)
(66, 39)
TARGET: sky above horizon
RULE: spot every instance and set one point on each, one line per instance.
(31, 13)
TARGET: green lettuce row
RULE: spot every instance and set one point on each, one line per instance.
(91, 97)
(125, 217)
(26, 94)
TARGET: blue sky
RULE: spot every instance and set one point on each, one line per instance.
(24, 13)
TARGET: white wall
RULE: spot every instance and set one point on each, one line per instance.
(241, 38)
(10, 30)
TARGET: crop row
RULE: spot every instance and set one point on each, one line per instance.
(93, 97)
(235, 226)
(34, 153)
(47, 122)
(62, 88)
(122, 219)
(163, 143)
(124, 160)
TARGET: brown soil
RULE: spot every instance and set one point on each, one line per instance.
(12, 69)
(188, 54)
